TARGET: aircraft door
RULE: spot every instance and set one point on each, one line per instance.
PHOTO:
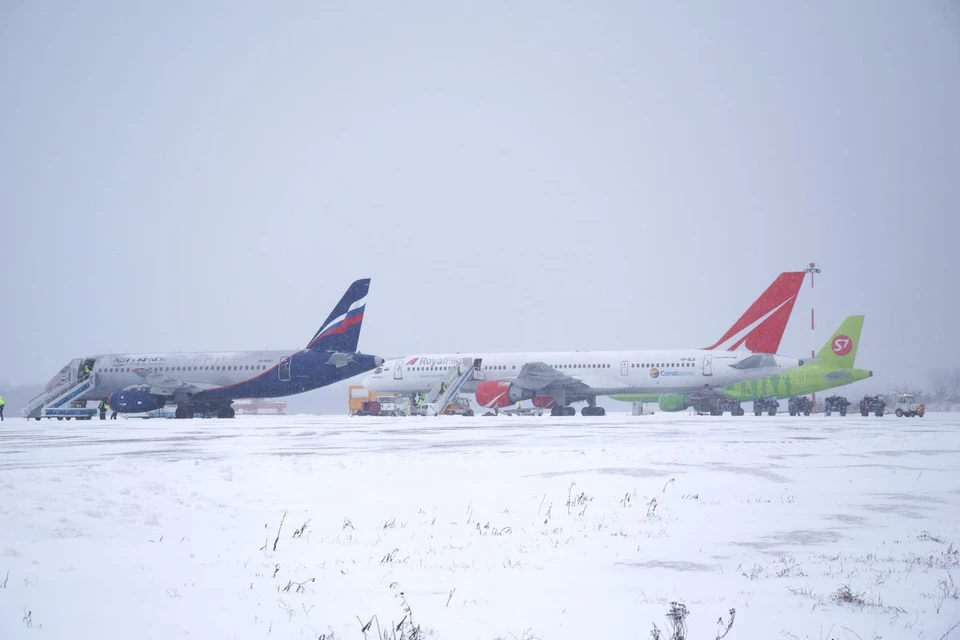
(284, 369)
(624, 368)
(75, 369)
(708, 365)
(398, 370)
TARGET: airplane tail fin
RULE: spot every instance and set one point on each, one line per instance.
(761, 327)
(341, 330)
(841, 349)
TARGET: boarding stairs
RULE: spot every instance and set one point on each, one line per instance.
(58, 401)
(445, 392)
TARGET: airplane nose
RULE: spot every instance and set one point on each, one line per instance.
(377, 360)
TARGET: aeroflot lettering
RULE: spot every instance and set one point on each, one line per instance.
(143, 360)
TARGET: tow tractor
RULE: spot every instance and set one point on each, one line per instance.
(835, 403)
(872, 404)
(799, 404)
(766, 403)
(906, 406)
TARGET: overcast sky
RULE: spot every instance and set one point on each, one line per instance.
(513, 176)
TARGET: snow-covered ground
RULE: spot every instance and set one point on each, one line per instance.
(480, 527)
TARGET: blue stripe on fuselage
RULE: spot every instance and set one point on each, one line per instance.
(308, 370)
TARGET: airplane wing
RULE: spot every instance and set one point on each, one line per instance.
(163, 384)
(537, 376)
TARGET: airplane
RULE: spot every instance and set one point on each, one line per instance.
(208, 382)
(555, 380)
(833, 367)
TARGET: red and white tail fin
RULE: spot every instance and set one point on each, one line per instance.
(761, 328)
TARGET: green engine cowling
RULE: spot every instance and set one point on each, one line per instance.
(672, 401)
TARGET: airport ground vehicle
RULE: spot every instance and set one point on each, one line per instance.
(908, 406)
(384, 406)
(766, 404)
(835, 403)
(716, 405)
(380, 405)
(371, 403)
(460, 406)
(799, 404)
(872, 404)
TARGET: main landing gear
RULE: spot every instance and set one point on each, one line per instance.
(187, 411)
(570, 411)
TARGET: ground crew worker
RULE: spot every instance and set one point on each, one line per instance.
(113, 416)
(103, 409)
(86, 369)
(1, 408)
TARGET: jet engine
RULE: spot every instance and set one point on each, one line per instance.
(496, 394)
(544, 402)
(133, 401)
(672, 401)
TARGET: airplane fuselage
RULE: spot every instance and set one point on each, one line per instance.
(222, 376)
(604, 372)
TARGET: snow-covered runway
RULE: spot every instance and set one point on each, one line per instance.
(480, 527)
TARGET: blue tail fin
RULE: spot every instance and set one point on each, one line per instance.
(341, 330)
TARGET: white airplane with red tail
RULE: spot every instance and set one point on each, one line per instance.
(555, 380)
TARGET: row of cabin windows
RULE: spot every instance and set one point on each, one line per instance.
(669, 365)
(486, 367)
(581, 366)
(502, 367)
(235, 367)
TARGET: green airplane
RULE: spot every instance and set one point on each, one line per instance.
(833, 367)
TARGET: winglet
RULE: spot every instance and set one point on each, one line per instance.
(841, 349)
(341, 330)
(760, 329)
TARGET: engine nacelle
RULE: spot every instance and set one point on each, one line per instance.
(544, 402)
(133, 401)
(672, 401)
(496, 394)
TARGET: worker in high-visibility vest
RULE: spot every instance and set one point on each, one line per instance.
(1, 408)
